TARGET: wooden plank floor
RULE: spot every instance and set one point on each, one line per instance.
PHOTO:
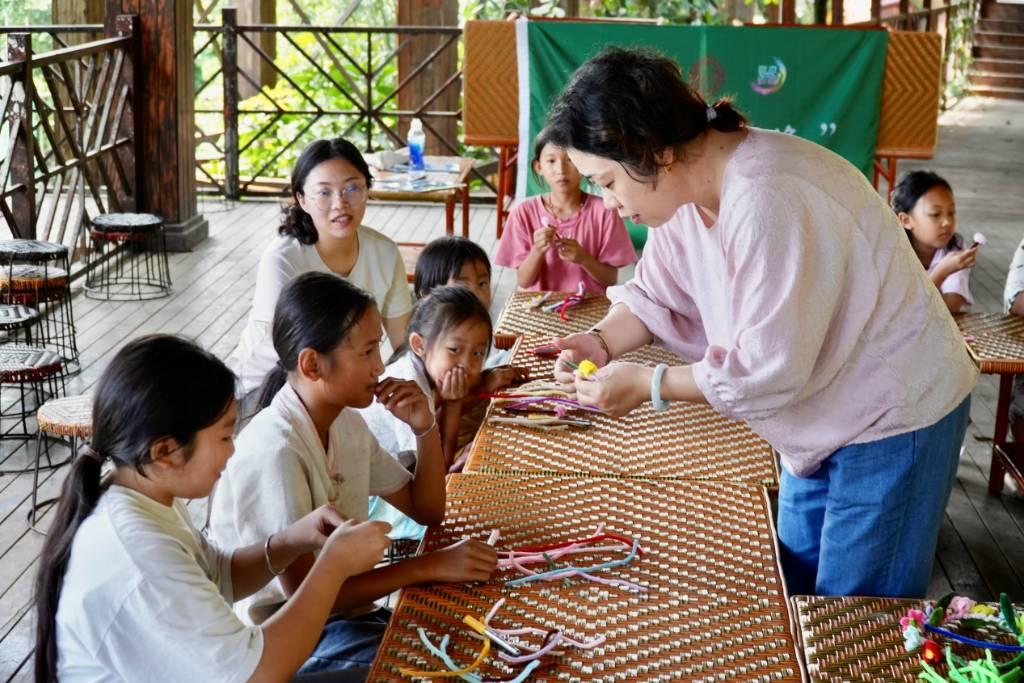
(982, 543)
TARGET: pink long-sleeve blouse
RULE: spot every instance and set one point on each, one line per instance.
(803, 308)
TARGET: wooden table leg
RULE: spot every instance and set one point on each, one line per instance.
(996, 471)
(465, 211)
(449, 215)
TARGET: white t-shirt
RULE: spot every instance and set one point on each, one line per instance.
(280, 473)
(146, 596)
(379, 269)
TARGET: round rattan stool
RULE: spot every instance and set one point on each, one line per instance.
(34, 273)
(15, 320)
(128, 258)
(68, 419)
(37, 376)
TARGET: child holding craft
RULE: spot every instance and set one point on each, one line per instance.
(559, 239)
(924, 203)
(310, 446)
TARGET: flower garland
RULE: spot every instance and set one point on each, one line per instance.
(920, 626)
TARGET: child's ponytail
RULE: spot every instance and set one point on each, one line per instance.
(78, 498)
(315, 311)
(155, 387)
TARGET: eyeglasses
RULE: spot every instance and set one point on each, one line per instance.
(323, 198)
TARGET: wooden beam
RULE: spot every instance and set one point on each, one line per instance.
(165, 118)
(427, 82)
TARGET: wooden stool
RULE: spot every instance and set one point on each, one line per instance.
(65, 418)
(128, 259)
(34, 273)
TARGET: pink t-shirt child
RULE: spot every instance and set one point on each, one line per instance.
(598, 230)
(957, 283)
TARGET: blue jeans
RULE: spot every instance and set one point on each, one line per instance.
(867, 522)
(348, 643)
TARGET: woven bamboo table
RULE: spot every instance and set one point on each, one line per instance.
(521, 317)
(996, 343)
(687, 441)
(714, 609)
(859, 639)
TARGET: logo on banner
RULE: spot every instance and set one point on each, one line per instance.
(770, 78)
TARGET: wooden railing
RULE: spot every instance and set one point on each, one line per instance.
(67, 131)
(338, 88)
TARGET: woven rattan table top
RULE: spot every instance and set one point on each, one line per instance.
(859, 639)
(127, 222)
(714, 609)
(520, 316)
(688, 441)
(994, 340)
(31, 251)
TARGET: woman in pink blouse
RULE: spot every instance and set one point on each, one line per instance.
(777, 273)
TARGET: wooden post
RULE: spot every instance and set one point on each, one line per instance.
(23, 204)
(248, 60)
(76, 12)
(876, 11)
(428, 81)
(134, 162)
(787, 12)
(231, 97)
(165, 119)
(837, 13)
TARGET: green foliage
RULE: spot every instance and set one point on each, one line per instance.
(960, 37)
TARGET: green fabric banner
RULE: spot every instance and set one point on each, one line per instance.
(821, 84)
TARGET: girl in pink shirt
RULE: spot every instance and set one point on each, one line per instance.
(924, 203)
(562, 238)
(783, 281)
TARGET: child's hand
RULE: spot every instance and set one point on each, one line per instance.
(404, 399)
(359, 546)
(571, 250)
(467, 560)
(455, 384)
(311, 532)
(958, 260)
(544, 239)
(497, 379)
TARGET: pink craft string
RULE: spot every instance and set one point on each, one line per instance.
(515, 558)
(552, 639)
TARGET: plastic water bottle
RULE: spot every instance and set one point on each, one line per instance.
(417, 141)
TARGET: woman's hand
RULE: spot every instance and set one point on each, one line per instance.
(455, 385)
(360, 546)
(956, 261)
(467, 560)
(575, 348)
(496, 379)
(617, 388)
(404, 399)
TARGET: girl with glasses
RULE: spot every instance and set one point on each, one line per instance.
(322, 231)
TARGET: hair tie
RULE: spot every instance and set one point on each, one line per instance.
(88, 452)
(711, 113)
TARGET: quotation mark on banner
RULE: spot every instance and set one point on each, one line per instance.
(829, 128)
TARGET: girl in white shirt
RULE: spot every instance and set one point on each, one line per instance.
(310, 446)
(924, 203)
(127, 588)
(322, 230)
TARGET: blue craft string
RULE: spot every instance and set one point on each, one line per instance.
(442, 654)
(972, 641)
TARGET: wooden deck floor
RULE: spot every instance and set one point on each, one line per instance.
(982, 544)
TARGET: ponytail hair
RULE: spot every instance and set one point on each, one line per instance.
(315, 311)
(155, 387)
(440, 311)
(630, 105)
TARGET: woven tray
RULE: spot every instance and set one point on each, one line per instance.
(687, 441)
(994, 340)
(519, 317)
(714, 609)
(859, 639)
